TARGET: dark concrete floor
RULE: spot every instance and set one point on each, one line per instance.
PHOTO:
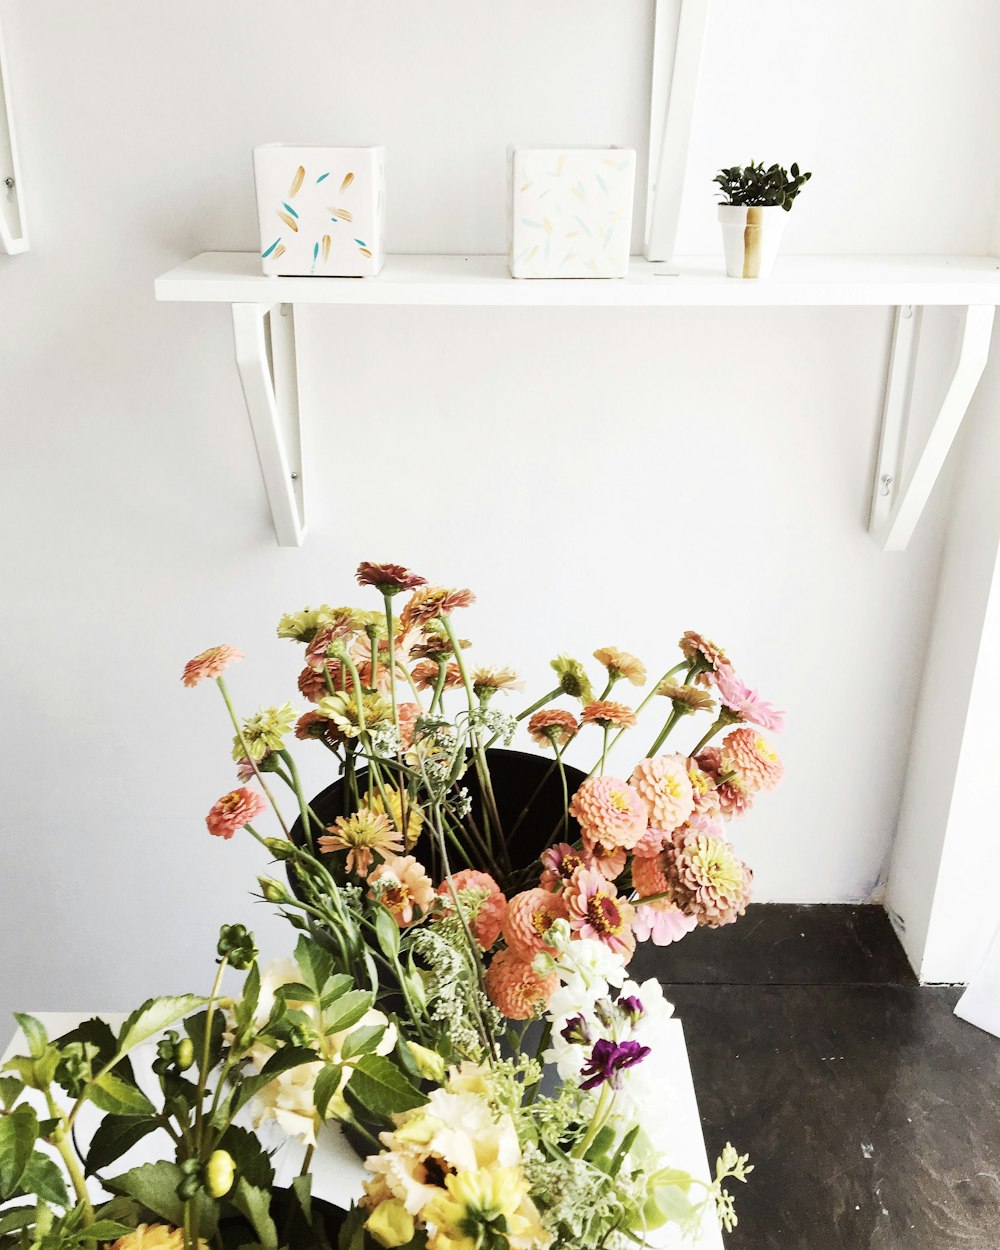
(871, 1113)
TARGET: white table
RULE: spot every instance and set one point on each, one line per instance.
(337, 1171)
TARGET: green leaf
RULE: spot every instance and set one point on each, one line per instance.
(334, 988)
(34, 1033)
(194, 1027)
(43, 1178)
(281, 1061)
(362, 1041)
(315, 964)
(255, 1204)
(352, 1231)
(38, 1072)
(18, 1134)
(152, 1017)
(387, 932)
(11, 1089)
(154, 1187)
(251, 1159)
(327, 1084)
(103, 1230)
(347, 1011)
(382, 1088)
(119, 1097)
(115, 1135)
(16, 1218)
(247, 1004)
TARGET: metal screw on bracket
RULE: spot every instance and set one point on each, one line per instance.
(9, 183)
(886, 481)
(295, 477)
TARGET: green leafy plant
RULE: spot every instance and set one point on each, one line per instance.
(753, 185)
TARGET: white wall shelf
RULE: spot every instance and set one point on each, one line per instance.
(268, 367)
(13, 227)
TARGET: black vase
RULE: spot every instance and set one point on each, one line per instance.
(520, 779)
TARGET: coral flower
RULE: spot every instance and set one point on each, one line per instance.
(233, 811)
(430, 602)
(596, 911)
(665, 787)
(390, 579)
(649, 876)
(311, 725)
(483, 903)
(361, 834)
(530, 915)
(515, 987)
(553, 727)
(608, 860)
(425, 674)
(621, 664)
(409, 714)
(610, 811)
(746, 704)
(702, 651)
(662, 921)
(608, 714)
(210, 664)
(312, 683)
(734, 798)
(747, 754)
(402, 885)
(559, 863)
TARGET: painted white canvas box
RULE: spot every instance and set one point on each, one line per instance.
(569, 212)
(321, 210)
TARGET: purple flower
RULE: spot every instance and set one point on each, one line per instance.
(608, 1060)
(632, 1006)
(575, 1031)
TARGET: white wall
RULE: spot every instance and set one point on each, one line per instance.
(598, 477)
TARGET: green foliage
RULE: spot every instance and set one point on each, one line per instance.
(114, 1136)
(155, 1186)
(152, 1017)
(379, 1086)
(752, 185)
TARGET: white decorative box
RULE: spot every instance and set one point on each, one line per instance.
(569, 212)
(321, 210)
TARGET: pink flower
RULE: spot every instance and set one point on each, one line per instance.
(608, 860)
(388, 578)
(515, 987)
(666, 789)
(530, 915)
(663, 922)
(595, 911)
(746, 703)
(233, 811)
(651, 843)
(402, 885)
(610, 811)
(559, 863)
(210, 664)
(706, 800)
(482, 901)
(747, 754)
(735, 799)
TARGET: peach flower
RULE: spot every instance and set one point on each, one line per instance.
(360, 835)
(734, 797)
(649, 876)
(402, 885)
(665, 787)
(610, 811)
(425, 674)
(605, 712)
(483, 903)
(621, 664)
(595, 911)
(515, 987)
(750, 757)
(312, 685)
(408, 716)
(553, 727)
(608, 860)
(210, 664)
(530, 915)
(429, 602)
(233, 811)
(651, 843)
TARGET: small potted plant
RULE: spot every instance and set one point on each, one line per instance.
(752, 215)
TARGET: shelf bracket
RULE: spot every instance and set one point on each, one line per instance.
(670, 118)
(264, 337)
(13, 228)
(897, 506)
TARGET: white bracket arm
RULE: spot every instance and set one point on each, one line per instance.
(896, 506)
(670, 119)
(13, 227)
(265, 356)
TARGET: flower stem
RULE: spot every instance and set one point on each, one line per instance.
(246, 751)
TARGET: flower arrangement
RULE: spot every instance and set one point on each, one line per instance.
(459, 1001)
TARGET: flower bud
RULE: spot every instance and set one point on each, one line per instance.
(429, 1063)
(391, 1224)
(272, 890)
(220, 1173)
(279, 848)
(237, 945)
(184, 1054)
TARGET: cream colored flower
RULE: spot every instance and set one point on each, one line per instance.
(621, 664)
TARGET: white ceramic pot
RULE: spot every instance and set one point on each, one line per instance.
(751, 238)
(569, 212)
(321, 210)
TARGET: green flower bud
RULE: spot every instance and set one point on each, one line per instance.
(279, 848)
(191, 1183)
(184, 1055)
(429, 1063)
(237, 945)
(220, 1173)
(272, 890)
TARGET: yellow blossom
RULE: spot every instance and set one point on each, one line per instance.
(391, 1224)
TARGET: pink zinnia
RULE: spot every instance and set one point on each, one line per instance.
(747, 754)
(734, 797)
(515, 987)
(530, 915)
(483, 903)
(651, 843)
(559, 863)
(608, 860)
(406, 887)
(662, 921)
(388, 578)
(610, 811)
(210, 664)
(595, 911)
(747, 704)
(233, 811)
(665, 787)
